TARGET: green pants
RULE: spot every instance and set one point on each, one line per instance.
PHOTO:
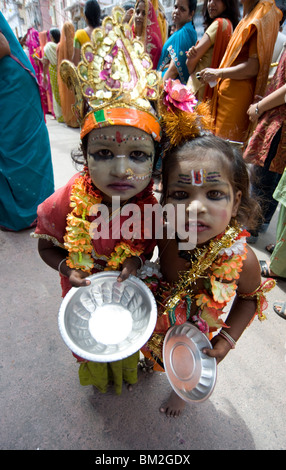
(100, 374)
(278, 257)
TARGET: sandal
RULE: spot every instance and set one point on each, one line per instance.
(282, 311)
(270, 248)
(266, 271)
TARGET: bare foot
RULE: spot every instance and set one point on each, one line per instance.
(174, 405)
(130, 387)
(146, 365)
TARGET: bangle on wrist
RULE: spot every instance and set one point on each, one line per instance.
(257, 110)
(228, 338)
(141, 261)
(59, 266)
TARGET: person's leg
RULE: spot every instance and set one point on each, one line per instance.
(263, 184)
(278, 257)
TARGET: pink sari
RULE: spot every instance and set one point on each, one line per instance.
(152, 37)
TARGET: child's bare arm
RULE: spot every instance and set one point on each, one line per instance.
(242, 310)
(53, 256)
(129, 266)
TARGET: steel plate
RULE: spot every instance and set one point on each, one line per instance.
(107, 320)
(191, 373)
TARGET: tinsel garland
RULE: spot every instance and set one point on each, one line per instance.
(204, 258)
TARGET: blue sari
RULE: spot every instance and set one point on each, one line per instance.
(26, 172)
(175, 48)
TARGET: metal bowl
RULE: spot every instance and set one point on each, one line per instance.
(191, 373)
(107, 320)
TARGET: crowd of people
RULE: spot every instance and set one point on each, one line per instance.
(207, 110)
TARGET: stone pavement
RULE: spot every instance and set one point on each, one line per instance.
(44, 407)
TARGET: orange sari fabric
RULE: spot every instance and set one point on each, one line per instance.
(65, 51)
(254, 36)
(221, 42)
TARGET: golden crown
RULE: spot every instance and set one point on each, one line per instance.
(115, 71)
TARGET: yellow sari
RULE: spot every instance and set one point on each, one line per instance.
(254, 36)
(80, 38)
(65, 52)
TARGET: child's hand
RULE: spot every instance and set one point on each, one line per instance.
(77, 278)
(129, 266)
(220, 349)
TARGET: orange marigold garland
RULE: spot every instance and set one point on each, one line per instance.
(77, 239)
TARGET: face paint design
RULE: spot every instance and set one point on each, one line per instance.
(199, 177)
(206, 195)
(120, 163)
(119, 137)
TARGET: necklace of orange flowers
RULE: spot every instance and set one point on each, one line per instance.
(77, 240)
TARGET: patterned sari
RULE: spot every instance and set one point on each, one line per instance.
(255, 37)
(50, 53)
(175, 49)
(267, 127)
(33, 42)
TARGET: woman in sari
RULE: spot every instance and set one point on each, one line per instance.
(50, 66)
(146, 28)
(220, 18)
(65, 52)
(266, 149)
(92, 14)
(244, 69)
(33, 43)
(26, 176)
(172, 62)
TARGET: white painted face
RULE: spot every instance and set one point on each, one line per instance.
(202, 186)
(120, 160)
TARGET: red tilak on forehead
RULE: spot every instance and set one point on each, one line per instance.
(118, 137)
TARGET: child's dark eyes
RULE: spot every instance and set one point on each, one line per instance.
(139, 156)
(216, 194)
(178, 195)
(106, 154)
(213, 194)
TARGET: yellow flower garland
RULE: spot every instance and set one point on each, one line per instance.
(77, 240)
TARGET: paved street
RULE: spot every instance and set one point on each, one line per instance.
(44, 407)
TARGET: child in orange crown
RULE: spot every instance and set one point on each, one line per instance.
(119, 146)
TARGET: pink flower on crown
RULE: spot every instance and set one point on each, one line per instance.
(178, 95)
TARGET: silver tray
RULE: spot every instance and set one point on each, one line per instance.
(107, 320)
(191, 373)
